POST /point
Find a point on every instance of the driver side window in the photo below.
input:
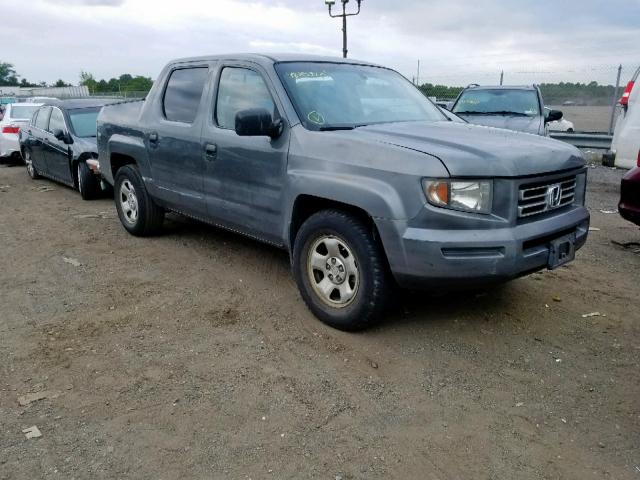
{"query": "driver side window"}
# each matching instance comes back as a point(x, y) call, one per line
point(240, 89)
point(56, 122)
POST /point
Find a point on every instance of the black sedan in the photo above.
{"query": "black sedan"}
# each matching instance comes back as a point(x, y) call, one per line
point(60, 143)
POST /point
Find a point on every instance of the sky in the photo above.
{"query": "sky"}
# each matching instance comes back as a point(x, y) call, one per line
point(456, 41)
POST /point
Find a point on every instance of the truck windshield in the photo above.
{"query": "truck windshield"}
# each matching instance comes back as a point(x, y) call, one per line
point(330, 96)
point(498, 101)
point(84, 121)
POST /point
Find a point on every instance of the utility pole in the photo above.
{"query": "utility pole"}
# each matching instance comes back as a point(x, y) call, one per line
point(418, 76)
point(501, 77)
point(344, 15)
point(615, 100)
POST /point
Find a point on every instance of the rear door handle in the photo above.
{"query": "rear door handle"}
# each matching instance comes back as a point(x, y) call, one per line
point(210, 151)
point(153, 137)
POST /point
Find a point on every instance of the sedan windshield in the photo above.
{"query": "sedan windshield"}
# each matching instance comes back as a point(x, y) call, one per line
point(329, 96)
point(498, 101)
point(83, 121)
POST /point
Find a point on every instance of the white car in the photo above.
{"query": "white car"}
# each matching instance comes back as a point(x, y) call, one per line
point(562, 125)
point(625, 146)
point(15, 116)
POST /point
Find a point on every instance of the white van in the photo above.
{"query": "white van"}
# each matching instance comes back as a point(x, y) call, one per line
point(625, 146)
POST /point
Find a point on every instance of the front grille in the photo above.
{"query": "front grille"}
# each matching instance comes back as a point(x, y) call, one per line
point(537, 198)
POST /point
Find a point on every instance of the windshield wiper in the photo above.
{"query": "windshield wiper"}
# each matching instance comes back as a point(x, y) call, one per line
point(330, 128)
point(501, 112)
point(508, 112)
point(341, 126)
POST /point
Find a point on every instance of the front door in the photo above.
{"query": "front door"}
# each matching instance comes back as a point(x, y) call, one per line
point(174, 141)
point(57, 152)
point(244, 177)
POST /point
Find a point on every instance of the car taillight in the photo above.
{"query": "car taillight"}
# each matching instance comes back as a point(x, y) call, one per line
point(11, 129)
point(638, 162)
point(624, 99)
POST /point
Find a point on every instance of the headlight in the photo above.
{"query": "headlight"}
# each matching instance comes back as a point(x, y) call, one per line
point(467, 196)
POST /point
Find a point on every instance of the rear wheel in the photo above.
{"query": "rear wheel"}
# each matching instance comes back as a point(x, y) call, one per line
point(138, 212)
point(340, 270)
point(88, 183)
point(31, 168)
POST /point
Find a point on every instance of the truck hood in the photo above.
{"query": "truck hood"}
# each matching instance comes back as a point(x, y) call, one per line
point(533, 125)
point(476, 151)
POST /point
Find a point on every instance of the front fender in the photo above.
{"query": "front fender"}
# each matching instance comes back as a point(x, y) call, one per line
point(375, 196)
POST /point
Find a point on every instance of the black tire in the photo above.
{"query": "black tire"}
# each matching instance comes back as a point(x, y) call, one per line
point(31, 168)
point(369, 303)
point(88, 183)
point(149, 217)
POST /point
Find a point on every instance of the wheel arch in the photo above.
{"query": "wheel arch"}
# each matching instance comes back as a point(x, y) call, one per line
point(84, 156)
point(123, 150)
point(306, 205)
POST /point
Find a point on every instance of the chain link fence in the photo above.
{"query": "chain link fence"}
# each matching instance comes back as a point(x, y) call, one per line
point(587, 96)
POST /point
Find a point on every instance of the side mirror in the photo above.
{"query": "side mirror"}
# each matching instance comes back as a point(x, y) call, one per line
point(257, 122)
point(62, 136)
point(553, 116)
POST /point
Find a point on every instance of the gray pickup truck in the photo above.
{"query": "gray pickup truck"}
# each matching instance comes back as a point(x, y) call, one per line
point(346, 165)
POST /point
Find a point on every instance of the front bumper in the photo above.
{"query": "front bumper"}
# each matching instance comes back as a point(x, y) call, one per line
point(426, 258)
point(629, 206)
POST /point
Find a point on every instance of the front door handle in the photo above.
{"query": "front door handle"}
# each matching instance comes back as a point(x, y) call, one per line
point(210, 151)
point(153, 137)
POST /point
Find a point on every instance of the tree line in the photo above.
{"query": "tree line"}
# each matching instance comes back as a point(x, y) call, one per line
point(124, 83)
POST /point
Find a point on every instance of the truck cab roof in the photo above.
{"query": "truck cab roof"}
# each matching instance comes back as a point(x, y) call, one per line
point(271, 58)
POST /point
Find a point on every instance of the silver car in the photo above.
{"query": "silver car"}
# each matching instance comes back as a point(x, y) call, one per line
point(15, 116)
point(514, 108)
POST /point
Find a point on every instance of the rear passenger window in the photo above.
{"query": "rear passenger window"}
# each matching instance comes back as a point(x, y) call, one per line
point(183, 93)
point(240, 89)
point(42, 121)
point(34, 118)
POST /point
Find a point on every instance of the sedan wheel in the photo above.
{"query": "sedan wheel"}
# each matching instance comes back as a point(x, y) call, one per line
point(31, 169)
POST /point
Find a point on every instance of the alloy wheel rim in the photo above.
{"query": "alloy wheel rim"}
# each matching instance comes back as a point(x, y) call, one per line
point(79, 179)
point(27, 160)
point(129, 202)
point(332, 269)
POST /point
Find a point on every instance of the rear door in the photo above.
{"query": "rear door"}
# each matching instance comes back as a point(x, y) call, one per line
point(173, 139)
point(37, 133)
point(57, 153)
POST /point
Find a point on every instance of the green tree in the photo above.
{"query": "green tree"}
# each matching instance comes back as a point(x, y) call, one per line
point(61, 83)
point(87, 80)
point(139, 84)
point(8, 76)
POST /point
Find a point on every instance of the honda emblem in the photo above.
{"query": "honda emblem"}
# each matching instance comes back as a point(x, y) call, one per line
point(554, 196)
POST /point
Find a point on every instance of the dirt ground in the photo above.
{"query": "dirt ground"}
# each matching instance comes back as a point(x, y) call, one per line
point(191, 355)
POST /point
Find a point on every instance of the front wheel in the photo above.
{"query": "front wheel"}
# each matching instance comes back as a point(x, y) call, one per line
point(341, 270)
point(138, 212)
point(88, 183)
point(31, 168)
